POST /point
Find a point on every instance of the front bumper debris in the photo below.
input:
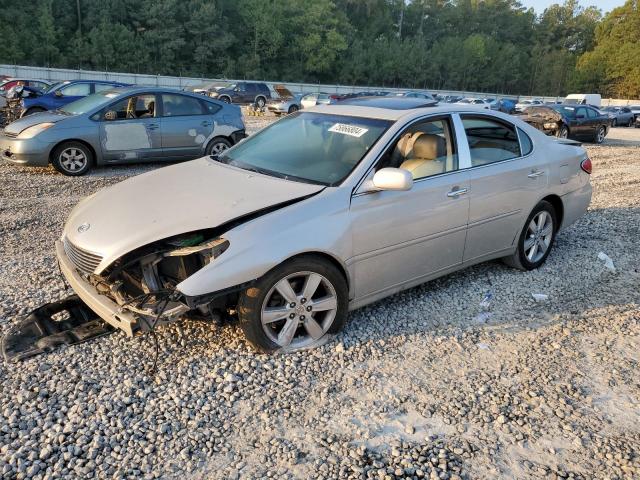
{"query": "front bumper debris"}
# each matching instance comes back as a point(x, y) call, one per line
point(106, 308)
point(66, 322)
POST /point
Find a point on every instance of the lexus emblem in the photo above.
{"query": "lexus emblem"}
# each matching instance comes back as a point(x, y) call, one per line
point(84, 227)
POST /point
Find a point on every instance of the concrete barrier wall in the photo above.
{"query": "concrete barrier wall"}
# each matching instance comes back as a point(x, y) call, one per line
point(59, 74)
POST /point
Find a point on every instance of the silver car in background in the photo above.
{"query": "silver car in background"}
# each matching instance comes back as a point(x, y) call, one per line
point(324, 211)
point(123, 125)
point(312, 99)
point(286, 102)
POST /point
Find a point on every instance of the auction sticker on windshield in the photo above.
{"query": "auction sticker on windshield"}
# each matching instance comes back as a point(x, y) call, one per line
point(351, 130)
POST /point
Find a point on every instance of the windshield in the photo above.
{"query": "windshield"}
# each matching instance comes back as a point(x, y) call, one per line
point(308, 147)
point(88, 103)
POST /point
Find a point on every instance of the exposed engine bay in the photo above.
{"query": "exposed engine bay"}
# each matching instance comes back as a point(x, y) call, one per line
point(144, 281)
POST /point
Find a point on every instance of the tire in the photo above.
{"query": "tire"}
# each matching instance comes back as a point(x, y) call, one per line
point(600, 134)
point(33, 110)
point(307, 329)
point(631, 122)
point(293, 109)
point(523, 259)
point(563, 132)
point(225, 99)
point(217, 145)
point(260, 102)
point(615, 122)
point(72, 159)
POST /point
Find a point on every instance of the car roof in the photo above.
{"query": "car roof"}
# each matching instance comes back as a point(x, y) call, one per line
point(390, 103)
point(371, 109)
point(136, 89)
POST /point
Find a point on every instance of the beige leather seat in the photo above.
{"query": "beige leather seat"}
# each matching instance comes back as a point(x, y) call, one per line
point(404, 147)
point(427, 157)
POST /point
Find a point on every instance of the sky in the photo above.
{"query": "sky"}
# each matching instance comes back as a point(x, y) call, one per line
point(604, 5)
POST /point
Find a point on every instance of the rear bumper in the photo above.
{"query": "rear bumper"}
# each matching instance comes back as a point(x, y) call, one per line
point(104, 307)
point(29, 151)
point(576, 204)
point(238, 135)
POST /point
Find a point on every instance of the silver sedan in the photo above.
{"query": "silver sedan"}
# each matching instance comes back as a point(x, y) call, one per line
point(324, 211)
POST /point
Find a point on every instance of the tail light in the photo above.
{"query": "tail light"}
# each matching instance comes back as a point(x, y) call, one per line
point(335, 97)
point(586, 165)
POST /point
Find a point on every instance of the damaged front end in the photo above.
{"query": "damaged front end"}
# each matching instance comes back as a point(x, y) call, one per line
point(544, 119)
point(144, 282)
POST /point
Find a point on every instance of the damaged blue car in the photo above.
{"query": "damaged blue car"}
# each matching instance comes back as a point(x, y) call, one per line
point(123, 125)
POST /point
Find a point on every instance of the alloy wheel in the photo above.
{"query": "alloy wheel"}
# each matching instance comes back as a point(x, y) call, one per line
point(73, 159)
point(299, 310)
point(601, 135)
point(218, 148)
point(539, 236)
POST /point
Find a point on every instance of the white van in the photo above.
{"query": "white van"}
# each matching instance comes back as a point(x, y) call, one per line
point(593, 99)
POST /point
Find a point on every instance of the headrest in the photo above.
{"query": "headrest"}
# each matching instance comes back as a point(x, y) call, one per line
point(429, 147)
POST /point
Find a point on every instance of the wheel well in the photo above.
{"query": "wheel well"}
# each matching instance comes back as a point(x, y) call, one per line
point(330, 259)
point(228, 139)
point(556, 201)
point(88, 145)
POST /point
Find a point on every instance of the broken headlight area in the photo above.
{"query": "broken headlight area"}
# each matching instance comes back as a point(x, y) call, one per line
point(144, 281)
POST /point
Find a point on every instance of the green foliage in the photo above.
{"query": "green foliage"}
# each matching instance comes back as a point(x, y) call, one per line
point(480, 45)
point(613, 66)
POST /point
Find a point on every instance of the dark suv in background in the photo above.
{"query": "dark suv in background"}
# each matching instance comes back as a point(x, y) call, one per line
point(244, 92)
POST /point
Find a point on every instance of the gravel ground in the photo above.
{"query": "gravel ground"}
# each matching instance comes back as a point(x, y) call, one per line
point(425, 384)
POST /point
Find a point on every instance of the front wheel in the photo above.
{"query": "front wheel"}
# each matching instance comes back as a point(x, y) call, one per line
point(72, 159)
point(217, 146)
point(33, 110)
point(631, 122)
point(563, 132)
point(293, 109)
point(600, 134)
point(261, 102)
point(294, 306)
point(536, 239)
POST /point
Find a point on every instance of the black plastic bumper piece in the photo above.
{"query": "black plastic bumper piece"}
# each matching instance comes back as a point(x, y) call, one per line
point(238, 135)
point(66, 322)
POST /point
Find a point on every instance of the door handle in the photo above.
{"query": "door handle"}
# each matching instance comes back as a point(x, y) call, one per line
point(457, 192)
point(206, 124)
point(536, 173)
point(152, 126)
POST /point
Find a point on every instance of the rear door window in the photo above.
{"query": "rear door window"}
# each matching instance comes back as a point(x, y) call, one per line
point(174, 105)
point(77, 90)
point(490, 140)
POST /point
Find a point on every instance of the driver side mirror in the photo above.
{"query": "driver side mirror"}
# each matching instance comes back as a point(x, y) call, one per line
point(395, 179)
point(110, 115)
point(58, 93)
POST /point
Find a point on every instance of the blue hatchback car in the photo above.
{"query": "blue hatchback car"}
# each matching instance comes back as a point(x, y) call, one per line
point(62, 93)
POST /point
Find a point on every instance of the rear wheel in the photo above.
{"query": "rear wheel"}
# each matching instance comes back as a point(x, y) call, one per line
point(631, 122)
point(261, 102)
point(72, 159)
point(536, 239)
point(600, 134)
point(294, 306)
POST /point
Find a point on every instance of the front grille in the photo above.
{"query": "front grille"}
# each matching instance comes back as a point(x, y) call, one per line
point(84, 261)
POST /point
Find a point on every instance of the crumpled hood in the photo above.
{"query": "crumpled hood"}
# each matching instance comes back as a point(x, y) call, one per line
point(19, 125)
point(170, 201)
